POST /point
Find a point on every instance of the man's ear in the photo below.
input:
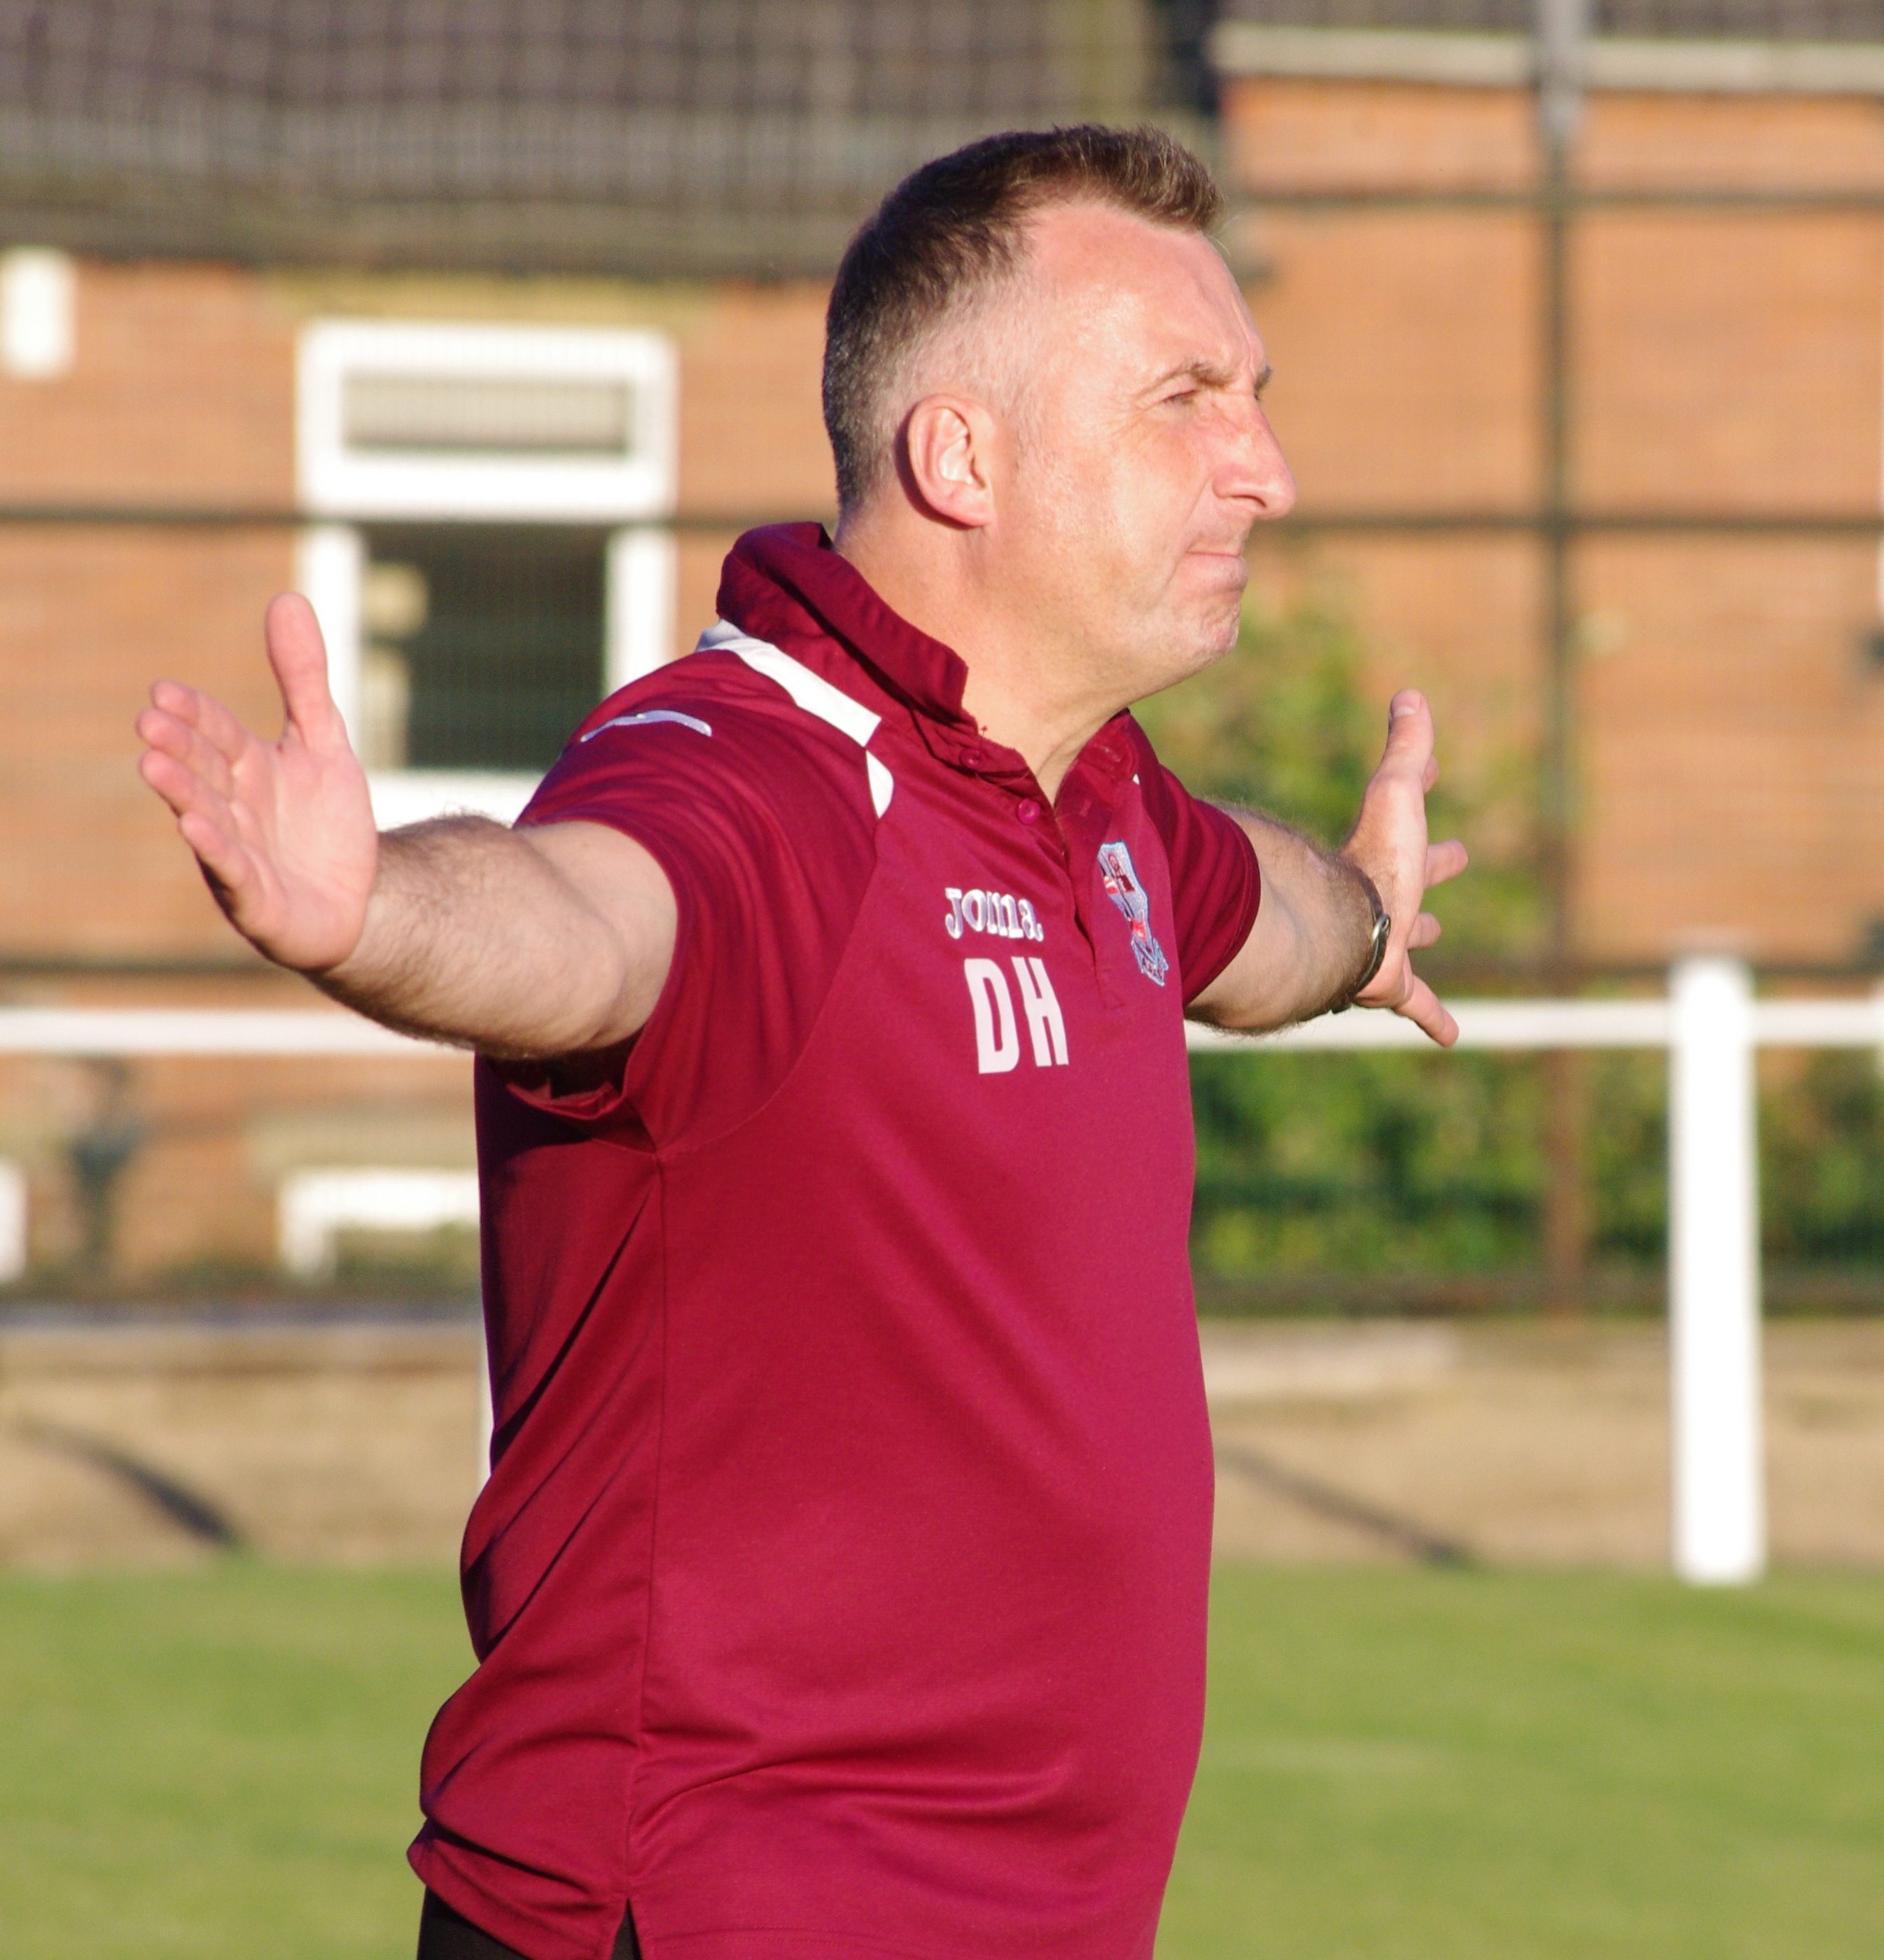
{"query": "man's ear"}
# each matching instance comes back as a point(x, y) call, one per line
point(947, 449)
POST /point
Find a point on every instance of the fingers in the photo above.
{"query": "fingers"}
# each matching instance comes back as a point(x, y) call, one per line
point(194, 775)
point(1445, 860)
point(1401, 991)
point(226, 865)
point(1423, 1008)
point(202, 712)
point(183, 787)
point(298, 655)
point(1409, 753)
point(166, 734)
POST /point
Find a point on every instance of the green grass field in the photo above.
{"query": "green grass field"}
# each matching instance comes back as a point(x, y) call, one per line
point(1400, 1766)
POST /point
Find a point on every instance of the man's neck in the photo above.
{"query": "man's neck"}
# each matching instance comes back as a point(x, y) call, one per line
point(1018, 693)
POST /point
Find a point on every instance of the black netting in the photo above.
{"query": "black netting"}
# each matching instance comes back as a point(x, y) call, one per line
point(642, 136)
point(768, 101)
point(893, 57)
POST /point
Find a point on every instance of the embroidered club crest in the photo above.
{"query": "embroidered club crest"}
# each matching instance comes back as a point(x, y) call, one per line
point(1122, 881)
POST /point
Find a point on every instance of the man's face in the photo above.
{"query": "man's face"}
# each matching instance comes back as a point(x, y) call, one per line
point(1140, 454)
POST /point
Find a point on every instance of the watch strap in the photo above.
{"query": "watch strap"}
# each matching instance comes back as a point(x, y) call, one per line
point(1378, 933)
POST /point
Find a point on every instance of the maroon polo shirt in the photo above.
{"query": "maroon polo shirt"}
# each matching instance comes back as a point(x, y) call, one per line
point(839, 1585)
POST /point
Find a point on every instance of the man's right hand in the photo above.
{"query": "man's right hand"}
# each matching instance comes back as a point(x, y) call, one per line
point(551, 941)
point(283, 830)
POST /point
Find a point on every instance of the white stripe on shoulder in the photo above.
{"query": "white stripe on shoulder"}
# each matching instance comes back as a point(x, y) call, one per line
point(641, 720)
point(814, 694)
point(882, 784)
point(811, 692)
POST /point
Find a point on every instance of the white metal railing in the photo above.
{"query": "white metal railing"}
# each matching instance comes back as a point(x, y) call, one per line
point(91, 1032)
point(1709, 1022)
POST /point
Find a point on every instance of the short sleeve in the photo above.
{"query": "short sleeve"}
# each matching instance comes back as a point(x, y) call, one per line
point(762, 822)
point(1216, 883)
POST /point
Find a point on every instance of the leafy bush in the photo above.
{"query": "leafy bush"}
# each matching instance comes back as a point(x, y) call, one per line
point(1821, 1163)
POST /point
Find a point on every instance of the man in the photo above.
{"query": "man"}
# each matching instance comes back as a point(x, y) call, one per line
point(839, 1586)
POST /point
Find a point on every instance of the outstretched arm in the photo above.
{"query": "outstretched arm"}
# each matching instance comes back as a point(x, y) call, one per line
point(521, 943)
point(1311, 939)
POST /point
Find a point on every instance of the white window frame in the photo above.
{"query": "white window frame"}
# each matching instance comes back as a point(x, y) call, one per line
point(331, 556)
point(336, 482)
point(38, 313)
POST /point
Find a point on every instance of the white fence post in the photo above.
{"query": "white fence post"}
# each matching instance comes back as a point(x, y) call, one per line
point(1720, 1522)
point(13, 1243)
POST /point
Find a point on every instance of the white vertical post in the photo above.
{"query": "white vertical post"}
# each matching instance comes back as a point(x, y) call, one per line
point(14, 1242)
point(1560, 29)
point(639, 630)
point(1720, 1523)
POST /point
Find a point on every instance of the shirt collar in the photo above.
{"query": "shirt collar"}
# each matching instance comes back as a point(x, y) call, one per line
point(786, 584)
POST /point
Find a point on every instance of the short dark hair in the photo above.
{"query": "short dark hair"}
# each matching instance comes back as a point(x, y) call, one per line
point(954, 228)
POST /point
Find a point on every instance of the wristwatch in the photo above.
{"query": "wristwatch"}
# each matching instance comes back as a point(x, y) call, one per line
point(1377, 936)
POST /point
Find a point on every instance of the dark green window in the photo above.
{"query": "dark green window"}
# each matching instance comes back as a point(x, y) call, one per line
point(482, 645)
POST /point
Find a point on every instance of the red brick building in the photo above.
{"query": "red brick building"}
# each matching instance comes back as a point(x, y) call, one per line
point(1726, 362)
point(491, 328)
point(492, 340)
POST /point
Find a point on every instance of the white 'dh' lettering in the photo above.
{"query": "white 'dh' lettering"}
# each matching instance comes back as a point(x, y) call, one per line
point(996, 1033)
point(1041, 1007)
point(996, 1051)
point(999, 913)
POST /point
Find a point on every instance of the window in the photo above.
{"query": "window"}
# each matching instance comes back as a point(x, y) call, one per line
point(408, 419)
point(482, 646)
point(489, 582)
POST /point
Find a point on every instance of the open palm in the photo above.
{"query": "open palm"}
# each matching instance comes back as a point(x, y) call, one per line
point(283, 830)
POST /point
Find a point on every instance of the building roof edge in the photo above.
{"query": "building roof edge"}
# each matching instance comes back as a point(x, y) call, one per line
point(1244, 48)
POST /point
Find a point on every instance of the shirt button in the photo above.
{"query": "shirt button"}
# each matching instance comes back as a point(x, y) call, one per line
point(973, 758)
point(1029, 811)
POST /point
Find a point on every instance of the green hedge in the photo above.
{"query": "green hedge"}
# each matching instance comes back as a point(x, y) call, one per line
point(1410, 1170)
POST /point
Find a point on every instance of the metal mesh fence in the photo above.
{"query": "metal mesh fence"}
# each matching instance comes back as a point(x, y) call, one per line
point(636, 136)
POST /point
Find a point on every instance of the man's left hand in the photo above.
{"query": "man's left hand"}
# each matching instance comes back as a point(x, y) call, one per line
point(1389, 843)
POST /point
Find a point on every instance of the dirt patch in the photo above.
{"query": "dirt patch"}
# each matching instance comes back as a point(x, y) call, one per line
point(1527, 1445)
point(349, 1444)
point(1523, 1444)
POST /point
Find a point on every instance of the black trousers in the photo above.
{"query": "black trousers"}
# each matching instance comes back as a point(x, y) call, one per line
point(446, 1935)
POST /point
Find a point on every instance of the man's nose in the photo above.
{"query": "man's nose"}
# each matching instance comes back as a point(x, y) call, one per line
point(1254, 470)
point(1259, 471)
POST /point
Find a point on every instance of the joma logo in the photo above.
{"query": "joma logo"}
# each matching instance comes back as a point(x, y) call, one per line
point(996, 912)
